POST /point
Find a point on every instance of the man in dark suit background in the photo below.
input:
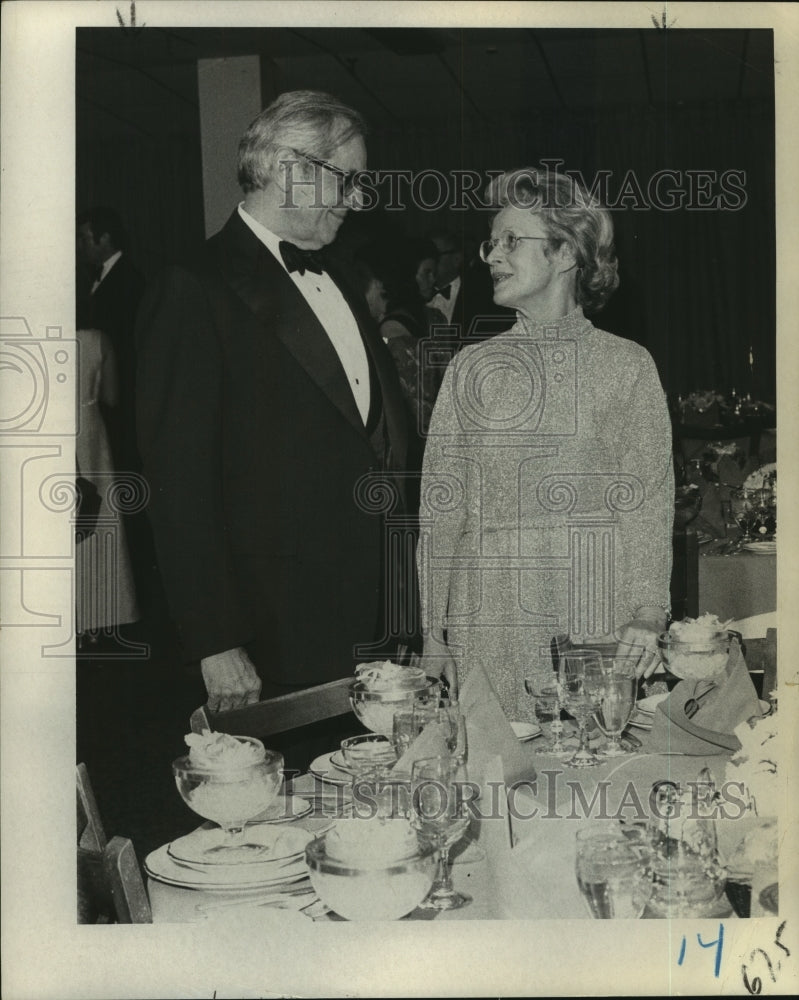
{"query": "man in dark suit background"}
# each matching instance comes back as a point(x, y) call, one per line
point(108, 302)
point(264, 398)
point(465, 292)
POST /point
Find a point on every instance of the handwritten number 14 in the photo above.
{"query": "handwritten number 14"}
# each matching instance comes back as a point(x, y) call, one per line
point(718, 944)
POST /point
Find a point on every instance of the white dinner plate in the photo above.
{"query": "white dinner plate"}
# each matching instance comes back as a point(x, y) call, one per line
point(760, 548)
point(159, 865)
point(324, 768)
point(278, 845)
point(525, 731)
point(285, 809)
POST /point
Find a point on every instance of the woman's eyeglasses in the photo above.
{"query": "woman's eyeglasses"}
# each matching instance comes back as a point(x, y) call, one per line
point(507, 243)
point(346, 179)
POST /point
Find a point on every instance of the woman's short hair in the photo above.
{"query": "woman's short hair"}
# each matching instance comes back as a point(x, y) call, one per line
point(571, 215)
point(309, 121)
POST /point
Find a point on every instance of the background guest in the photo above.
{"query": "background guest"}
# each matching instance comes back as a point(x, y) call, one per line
point(111, 301)
point(464, 293)
point(544, 438)
point(105, 595)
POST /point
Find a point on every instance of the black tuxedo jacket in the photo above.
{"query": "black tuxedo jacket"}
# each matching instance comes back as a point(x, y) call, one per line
point(253, 447)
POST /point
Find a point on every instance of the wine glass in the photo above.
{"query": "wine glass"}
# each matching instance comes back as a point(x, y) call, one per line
point(617, 701)
point(231, 795)
point(612, 872)
point(547, 701)
point(440, 813)
point(581, 685)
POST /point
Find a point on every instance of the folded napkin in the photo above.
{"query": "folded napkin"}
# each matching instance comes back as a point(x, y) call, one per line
point(699, 717)
point(488, 731)
point(431, 742)
point(534, 879)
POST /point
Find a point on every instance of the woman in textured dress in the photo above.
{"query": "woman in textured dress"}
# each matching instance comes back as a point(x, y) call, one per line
point(547, 488)
point(104, 589)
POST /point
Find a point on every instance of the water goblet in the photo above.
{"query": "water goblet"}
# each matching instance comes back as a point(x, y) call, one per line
point(440, 813)
point(688, 878)
point(612, 870)
point(617, 701)
point(581, 685)
point(547, 701)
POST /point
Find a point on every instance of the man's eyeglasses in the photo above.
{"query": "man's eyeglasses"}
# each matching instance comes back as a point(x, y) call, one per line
point(507, 243)
point(346, 179)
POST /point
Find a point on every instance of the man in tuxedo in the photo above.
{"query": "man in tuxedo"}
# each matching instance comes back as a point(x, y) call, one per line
point(110, 299)
point(267, 408)
point(465, 293)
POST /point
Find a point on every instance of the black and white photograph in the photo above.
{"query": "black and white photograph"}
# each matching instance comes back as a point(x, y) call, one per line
point(389, 499)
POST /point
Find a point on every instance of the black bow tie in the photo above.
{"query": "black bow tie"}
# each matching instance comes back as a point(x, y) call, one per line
point(296, 259)
point(444, 292)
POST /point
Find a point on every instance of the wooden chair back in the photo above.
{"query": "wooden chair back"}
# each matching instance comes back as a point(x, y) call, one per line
point(684, 585)
point(110, 884)
point(761, 662)
point(278, 715)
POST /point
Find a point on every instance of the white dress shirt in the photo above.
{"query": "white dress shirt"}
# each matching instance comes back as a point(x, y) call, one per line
point(107, 265)
point(447, 306)
point(331, 309)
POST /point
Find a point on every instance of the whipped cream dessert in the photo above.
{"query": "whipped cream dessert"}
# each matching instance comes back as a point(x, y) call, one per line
point(383, 675)
point(232, 787)
point(220, 750)
point(371, 843)
point(708, 634)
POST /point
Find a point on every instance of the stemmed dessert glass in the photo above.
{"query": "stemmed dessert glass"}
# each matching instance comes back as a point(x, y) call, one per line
point(440, 813)
point(617, 701)
point(581, 680)
point(231, 795)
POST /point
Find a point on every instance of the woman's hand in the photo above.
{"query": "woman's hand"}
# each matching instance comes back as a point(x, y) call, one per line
point(437, 659)
point(638, 640)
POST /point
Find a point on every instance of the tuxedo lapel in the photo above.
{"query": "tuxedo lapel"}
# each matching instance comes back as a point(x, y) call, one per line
point(263, 285)
point(386, 384)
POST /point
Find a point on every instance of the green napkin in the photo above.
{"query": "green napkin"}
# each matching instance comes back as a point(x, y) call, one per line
point(699, 717)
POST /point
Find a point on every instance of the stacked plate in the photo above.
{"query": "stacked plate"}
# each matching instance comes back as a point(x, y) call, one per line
point(525, 731)
point(333, 769)
point(274, 856)
point(644, 712)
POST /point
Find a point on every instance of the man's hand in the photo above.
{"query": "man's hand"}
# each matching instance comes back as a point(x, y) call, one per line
point(230, 680)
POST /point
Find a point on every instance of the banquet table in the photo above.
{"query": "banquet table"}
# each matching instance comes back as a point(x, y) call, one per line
point(737, 586)
point(535, 880)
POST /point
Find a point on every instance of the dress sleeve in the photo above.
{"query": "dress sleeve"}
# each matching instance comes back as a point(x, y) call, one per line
point(646, 532)
point(442, 511)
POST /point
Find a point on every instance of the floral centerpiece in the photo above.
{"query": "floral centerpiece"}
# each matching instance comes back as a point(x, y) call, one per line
point(752, 847)
point(755, 764)
point(754, 504)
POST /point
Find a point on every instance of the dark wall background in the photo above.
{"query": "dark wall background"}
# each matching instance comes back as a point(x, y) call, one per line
point(698, 287)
